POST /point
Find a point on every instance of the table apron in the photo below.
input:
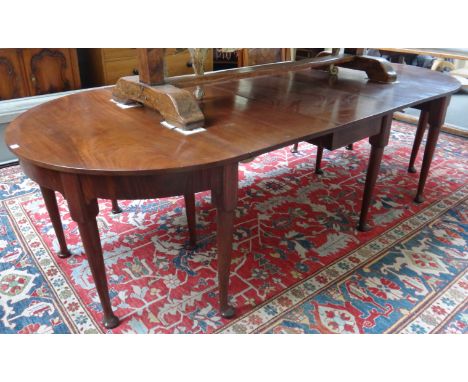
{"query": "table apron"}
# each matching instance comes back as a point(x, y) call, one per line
point(43, 176)
point(149, 186)
point(349, 134)
point(130, 186)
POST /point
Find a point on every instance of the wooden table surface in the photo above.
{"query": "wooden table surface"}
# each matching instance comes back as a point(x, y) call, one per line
point(243, 118)
point(86, 147)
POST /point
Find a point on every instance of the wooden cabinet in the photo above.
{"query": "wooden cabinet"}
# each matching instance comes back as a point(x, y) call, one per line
point(105, 65)
point(29, 72)
point(51, 70)
point(12, 79)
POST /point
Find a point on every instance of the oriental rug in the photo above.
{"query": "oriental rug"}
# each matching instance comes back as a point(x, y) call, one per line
point(299, 264)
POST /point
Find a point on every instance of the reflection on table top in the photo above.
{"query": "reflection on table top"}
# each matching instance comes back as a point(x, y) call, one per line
point(87, 133)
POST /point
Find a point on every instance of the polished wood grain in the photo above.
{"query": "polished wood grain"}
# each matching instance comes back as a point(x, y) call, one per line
point(86, 147)
point(239, 119)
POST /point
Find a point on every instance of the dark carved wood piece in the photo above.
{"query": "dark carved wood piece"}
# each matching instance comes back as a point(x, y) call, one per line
point(177, 106)
point(377, 68)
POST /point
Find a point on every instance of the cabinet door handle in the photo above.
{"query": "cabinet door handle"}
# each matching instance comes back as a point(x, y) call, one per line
point(189, 64)
point(135, 72)
point(33, 79)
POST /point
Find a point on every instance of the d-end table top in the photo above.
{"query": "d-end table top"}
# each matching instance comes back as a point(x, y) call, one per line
point(87, 133)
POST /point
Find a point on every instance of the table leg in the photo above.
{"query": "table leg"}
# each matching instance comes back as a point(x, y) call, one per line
point(318, 161)
point(226, 201)
point(115, 207)
point(52, 208)
point(437, 111)
point(191, 217)
point(421, 129)
point(83, 211)
point(92, 244)
point(295, 148)
point(349, 147)
point(378, 143)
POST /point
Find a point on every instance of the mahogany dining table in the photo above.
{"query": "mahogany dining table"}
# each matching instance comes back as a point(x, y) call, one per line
point(86, 147)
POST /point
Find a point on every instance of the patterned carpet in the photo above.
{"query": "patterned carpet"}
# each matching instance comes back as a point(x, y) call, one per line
point(299, 265)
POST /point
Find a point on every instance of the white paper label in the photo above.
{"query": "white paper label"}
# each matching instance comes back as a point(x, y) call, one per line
point(182, 131)
point(126, 106)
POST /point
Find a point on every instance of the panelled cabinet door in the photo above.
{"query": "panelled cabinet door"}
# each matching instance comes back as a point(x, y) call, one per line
point(50, 70)
point(12, 81)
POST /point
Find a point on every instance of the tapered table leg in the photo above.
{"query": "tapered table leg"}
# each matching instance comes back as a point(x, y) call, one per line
point(225, 221)
point(378, 143)
point(437, 111)
point(226, 201)
point(115, 207)
point(84, 211)
point(191, 217)
point(349, 147)
point(54, 214)
point(420, 130)
point(295, 148)
point(92, 245)
point(318, 161)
